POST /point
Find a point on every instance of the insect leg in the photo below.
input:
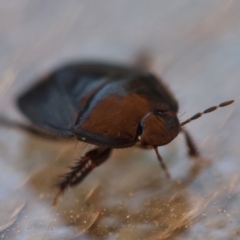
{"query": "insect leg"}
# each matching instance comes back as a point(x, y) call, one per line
point(82, 168)
point(164, 167)
point(30, 129)
point(143, 61)
point(192, 150)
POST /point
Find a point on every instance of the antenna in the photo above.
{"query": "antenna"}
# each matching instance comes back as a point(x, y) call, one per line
point(211, 109)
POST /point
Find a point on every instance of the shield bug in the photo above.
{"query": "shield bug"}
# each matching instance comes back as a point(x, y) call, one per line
point(106, 105)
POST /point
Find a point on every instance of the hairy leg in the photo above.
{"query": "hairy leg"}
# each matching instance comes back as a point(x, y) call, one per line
point(82, 168)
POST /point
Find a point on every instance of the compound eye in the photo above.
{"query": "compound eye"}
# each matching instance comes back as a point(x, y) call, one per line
point(160, 111)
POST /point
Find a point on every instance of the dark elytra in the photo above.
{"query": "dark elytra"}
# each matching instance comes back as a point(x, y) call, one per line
point(107, 105)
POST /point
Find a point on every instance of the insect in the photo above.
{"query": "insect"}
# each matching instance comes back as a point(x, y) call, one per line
point(106, 105)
